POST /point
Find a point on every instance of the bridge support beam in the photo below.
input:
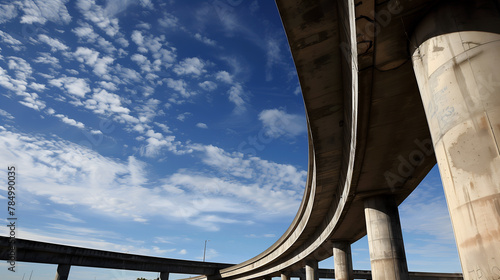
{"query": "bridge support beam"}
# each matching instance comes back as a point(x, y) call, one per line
point(456, 65)
point(285, 276)
point(164, 275)
point(62, 272)
point(342, 259)
point(385, 239)
point(312, 270)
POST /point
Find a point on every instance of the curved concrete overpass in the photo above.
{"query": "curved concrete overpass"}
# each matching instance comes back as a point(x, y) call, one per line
point(369, 139)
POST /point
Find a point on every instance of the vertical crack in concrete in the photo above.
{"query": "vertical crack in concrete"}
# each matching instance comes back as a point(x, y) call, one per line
point(493, 133)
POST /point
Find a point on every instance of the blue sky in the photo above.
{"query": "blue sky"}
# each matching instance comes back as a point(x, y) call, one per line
point(149, 127)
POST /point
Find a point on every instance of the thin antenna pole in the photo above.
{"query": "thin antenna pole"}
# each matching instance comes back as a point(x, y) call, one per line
point(205, 250)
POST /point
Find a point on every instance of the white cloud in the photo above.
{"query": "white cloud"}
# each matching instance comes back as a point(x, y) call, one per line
point(183, 252)
point(168, 20)
point(6, 114)
point(75, 86)
point(180, 87)
point(205, 40)
point(137, 170)
point(102, 64)
point(105, 103)
point(162, 55)
point(208, 85)
point(37, 86)
point(106, 45)
point(297, 90)
point(137, 38)
point(156, 144)
point(46, 58)
point(41, 11)
point(183, 116)
point(85, 32)
point(145, 64)
point(190, 66)
point(201, 125)
point(7, 12)
point(273, 57)
point(143, 25)
point(65, 217)
point(86, 55)
point(69, 121)
point(91, 58)
point(11, 41)
point(236, 95)
point(86, 237)
point(96, 14)
point(67, 174)
point(163, 127)
point(55, 45)
point(22, 69)
point(149, 110)
point(277, 123)
point(108, 85)
point(224, 76)
point(123, 42)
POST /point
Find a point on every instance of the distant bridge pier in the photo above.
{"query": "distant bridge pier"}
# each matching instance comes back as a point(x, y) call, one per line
point(62, 272)
point(456, 59)
point(164, 275)
point(312, 270)
point(342, 260)
point(285, 276)
point(385, 239)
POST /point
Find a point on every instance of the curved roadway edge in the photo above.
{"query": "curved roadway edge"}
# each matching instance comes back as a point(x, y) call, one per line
point(363, 121)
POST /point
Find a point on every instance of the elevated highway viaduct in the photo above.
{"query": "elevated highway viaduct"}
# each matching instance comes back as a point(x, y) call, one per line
point(390, 87)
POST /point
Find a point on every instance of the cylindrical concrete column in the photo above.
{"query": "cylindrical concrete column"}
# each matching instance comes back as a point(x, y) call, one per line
point(385, 239)
point(164, 275)
point(312, 270)
point(457, 66)
point(342, 260)
point(62, 272)
point(285, 276)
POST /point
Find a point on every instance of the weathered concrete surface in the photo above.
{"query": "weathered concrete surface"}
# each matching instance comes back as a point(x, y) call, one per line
point(342, 260)
point(385, 239)
point(457, 64)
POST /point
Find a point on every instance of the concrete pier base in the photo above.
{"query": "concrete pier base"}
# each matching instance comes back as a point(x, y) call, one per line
point(164, 275)
point(342, 261)
point(62, 272)
point(385, 239)
point(457, 70)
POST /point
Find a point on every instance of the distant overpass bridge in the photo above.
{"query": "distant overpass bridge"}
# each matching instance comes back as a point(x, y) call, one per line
point(389, 87)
